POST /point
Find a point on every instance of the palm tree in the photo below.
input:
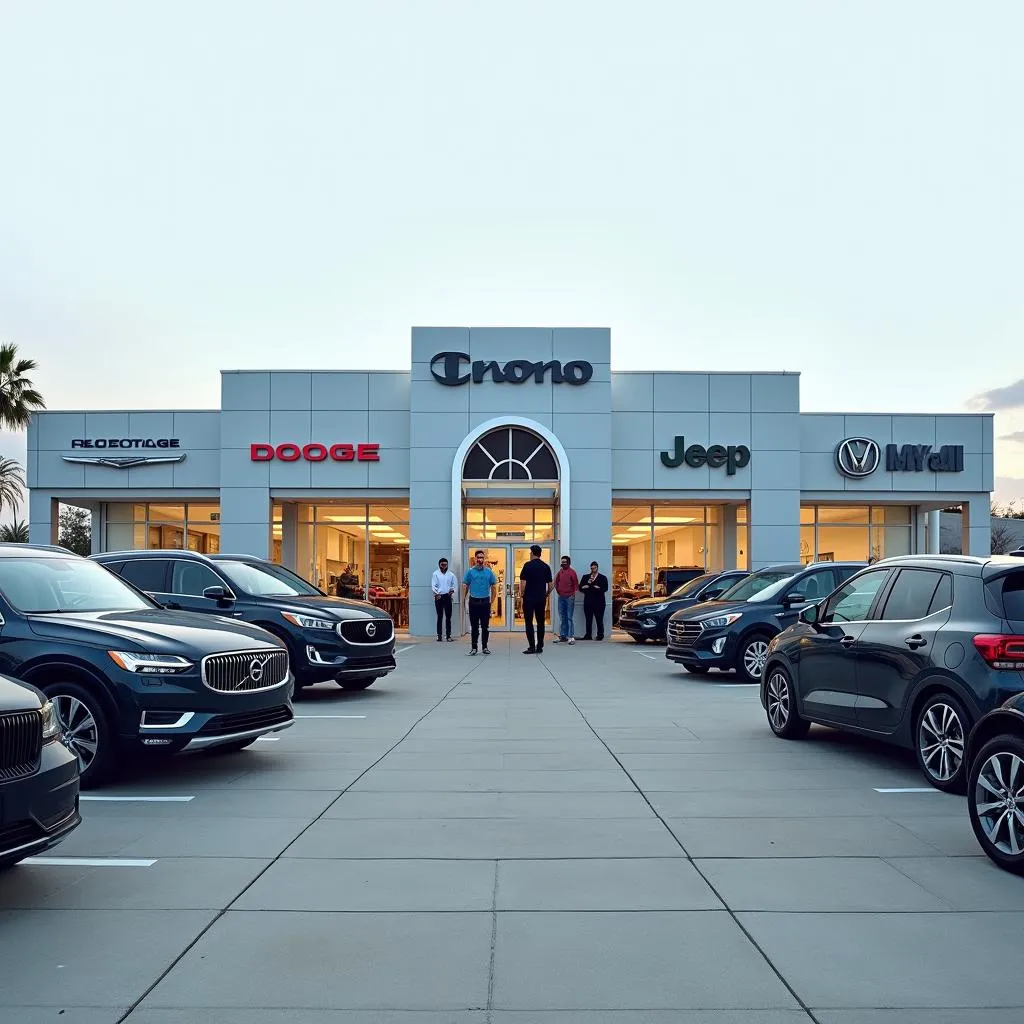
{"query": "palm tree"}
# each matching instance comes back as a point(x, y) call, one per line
point(18, 398)
point(14, 533)
point(12, 484)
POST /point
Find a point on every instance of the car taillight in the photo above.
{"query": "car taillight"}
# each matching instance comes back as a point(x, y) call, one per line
point(1001, 650)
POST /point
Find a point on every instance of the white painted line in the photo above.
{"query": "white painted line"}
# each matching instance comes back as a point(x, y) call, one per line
point(409, 648)
point(642, 655)
point(138, 799)
point(735, 686)
point(91, 862)
point(330, 716)
point(909, 789)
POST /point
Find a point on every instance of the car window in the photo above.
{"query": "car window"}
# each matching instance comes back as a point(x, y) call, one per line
point(757, 582)
point(911, 594)
point(50, 585)
point(853, 601)
point(266, 579)
point(190, 579)
point(814, 586)
point(146, 573)
point(943, 596)
point(691, 587)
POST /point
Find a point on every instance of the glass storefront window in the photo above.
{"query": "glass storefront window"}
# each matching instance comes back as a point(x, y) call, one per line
point(195, 527)
point(855, 532)
point(508, 523)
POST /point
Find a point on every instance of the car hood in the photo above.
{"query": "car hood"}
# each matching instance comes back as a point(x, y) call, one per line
point(16, 696)
point(340, 608)
point(709, 608)
point(154, 629)
point(674, 603)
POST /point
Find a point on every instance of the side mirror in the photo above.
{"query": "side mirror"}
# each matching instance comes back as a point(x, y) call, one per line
point(218, 594)
point(809, 615)
point(793, 599)
point(710, 595)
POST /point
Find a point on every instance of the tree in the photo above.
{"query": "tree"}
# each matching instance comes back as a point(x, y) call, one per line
point(18, 397)
point(75, 532)
point(12, 484)
point(14, 533)
point(1003, 538)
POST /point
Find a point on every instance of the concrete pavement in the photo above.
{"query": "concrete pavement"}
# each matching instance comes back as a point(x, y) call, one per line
point(589, 836)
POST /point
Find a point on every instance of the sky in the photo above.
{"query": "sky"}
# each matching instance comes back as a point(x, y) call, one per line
point(811, 185)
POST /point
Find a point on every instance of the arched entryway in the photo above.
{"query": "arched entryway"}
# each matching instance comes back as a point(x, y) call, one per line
point(510, 489)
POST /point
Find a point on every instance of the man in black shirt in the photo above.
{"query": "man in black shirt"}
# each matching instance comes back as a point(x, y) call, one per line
point(536, 578)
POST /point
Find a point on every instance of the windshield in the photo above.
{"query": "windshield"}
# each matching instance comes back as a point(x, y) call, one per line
point(773, 590)
point(47, 585)
point(759, 581)
point(264, 579)
point(691, 587)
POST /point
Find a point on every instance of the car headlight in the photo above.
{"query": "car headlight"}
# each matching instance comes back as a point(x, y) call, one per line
point(308, 621)
point(51, 727)
point(655, 608)
point(150, 664)
point(721, 621)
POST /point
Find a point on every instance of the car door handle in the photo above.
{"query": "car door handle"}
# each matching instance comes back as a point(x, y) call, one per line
point(848, 641)
point(915, 641)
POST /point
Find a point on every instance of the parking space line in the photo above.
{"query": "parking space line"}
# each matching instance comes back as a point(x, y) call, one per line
point(736, 686)
point(330, 716)
point(642, 655)
point(909, 789)
point(408, 648)
point(137, 799)
point(91, 862)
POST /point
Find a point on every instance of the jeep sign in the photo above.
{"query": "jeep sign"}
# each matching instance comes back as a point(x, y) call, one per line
point(733, 456)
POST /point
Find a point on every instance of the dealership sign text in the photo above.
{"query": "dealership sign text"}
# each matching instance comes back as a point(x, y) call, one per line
point(446, 368)
point(733, 456)
point(315, 452)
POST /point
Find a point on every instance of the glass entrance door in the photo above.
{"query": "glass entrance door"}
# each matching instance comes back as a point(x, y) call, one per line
point(506, 561)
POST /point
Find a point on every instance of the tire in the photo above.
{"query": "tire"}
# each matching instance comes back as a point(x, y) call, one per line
point(995, 800)
point(233, 748)
point(358, 683)
point(751, 658)
point(780, 706)
point(697, 670)
point(85, 730)
point(639, 639)
point(940, 733)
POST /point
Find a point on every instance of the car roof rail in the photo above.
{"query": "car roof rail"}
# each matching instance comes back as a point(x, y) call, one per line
point(36, 547)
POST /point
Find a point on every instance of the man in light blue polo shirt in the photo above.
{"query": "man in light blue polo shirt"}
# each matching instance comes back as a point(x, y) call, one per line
point(479, 585)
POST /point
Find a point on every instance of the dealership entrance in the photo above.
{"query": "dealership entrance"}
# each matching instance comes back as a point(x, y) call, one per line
point(507, 561)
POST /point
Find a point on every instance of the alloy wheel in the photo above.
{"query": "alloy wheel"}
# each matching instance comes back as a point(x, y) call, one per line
point(78, 729)
point(778, 701)
point(940, 739)
point(998, 801)
point(754, 656)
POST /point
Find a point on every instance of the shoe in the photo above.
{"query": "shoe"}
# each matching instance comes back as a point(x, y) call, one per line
point(588, 638)
point(486, 651)
point(600, 638)
point(558, 640)
point(540, 650)
point(472, 652)
point(571, 641)
point(450, 640)
point(530, 650)
point(438, 639)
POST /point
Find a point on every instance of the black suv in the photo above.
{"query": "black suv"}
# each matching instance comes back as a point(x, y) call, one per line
point(126, 676)
point(913, 650)
point(734, 632)
point(38, 775)
point(328, 638)
point(647, 617)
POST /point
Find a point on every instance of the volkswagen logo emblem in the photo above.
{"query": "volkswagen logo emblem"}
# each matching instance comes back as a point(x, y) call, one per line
point(857, 456)
point(371, 629)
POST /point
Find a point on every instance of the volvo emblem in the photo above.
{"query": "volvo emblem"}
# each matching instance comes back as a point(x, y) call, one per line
point(857, 457)
point(371, 629)
point(256, 667)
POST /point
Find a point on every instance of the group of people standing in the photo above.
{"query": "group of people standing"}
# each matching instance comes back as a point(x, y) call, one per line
point(480, 584)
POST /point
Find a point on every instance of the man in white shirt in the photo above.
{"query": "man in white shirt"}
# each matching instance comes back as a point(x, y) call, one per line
point(444, 584)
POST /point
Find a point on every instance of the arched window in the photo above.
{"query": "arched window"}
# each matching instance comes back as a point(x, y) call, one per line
point(510, 453)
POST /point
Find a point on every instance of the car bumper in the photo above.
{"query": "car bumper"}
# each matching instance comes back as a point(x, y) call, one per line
point(703, 653)
point(329, 664)
point(39, 811)
point(647, 627)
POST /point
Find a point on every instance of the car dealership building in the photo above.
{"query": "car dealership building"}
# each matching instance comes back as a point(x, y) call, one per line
point(501, 437)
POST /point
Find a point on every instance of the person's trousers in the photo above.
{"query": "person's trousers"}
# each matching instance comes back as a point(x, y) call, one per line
point(444, 615)
point(535, 611)
point(479, 619)
point(594, 611)
point(566, 605)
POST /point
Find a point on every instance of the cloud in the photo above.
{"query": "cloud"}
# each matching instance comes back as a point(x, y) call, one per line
point(1009, 397)
point(1017, 436)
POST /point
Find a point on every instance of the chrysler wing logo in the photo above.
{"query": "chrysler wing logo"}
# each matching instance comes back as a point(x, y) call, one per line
point(256, 669)
point(857, 456)
point(123, 461)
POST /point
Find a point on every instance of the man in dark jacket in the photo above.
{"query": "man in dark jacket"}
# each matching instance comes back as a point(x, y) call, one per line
point(593, 587)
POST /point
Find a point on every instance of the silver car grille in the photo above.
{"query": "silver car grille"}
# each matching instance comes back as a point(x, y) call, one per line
point(684, 634)
point(245, 671)
point(21, 742)
point(366, 631)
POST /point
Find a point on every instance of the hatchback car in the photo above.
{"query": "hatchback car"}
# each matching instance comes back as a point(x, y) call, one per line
point(647, 617)
point(734, 632)
point(913, 650)
point(38, 775)
point(126, 676)
point(328, 638)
